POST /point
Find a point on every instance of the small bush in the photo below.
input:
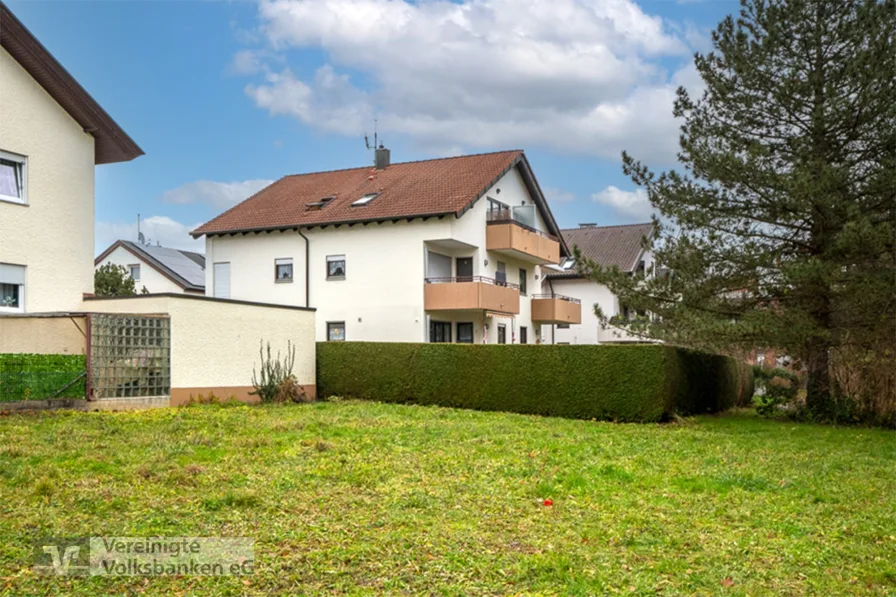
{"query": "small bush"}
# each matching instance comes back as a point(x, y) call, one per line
point(290, 390)
point(780, 388)
point(273, 372)
point(625, 383)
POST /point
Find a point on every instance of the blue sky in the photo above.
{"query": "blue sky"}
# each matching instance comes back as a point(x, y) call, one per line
point(225, 96)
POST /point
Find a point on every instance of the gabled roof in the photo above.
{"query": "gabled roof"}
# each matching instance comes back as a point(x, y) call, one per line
point(609, 246)
point(184, 268)
point(406, 190)
point(112, 143)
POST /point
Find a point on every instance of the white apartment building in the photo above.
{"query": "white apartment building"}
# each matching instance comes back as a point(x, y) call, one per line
point(610, 246)
point(444, 250)
point(52, 135)
point(160, 270)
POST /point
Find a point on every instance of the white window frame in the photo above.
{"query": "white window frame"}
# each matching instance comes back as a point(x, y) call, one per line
point(292, 272)
point(331, 258)
point(131, 267)
point(21, 307)
point(23, 164)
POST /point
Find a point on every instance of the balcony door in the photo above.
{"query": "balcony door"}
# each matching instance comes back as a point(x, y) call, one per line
point(440, 331)
point(464, 269)
point(502, 333)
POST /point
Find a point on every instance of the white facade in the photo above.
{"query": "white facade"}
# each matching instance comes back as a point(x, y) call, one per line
point(46, 239)
point(381, 296)
point(147, 276)
point(592, 294)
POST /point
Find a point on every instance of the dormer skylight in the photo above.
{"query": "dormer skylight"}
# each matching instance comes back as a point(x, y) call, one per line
point(365, 199)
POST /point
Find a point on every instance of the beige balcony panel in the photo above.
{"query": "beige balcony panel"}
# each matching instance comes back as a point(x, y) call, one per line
point(519, 242)
point(460, 296)
point(556, 310)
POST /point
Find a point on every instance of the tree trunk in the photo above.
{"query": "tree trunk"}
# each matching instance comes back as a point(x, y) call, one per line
point(819, 394)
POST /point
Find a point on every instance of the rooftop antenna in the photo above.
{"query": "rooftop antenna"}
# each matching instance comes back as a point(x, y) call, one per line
point(140, 238)
point(375, 139)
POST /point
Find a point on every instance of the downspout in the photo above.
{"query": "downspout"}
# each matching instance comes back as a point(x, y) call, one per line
point(553, 325)
point(307, 271)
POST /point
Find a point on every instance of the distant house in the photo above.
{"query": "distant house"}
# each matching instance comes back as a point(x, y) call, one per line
point(52, 135)
point(609, 246)
point(158, 269)
point(443, 250)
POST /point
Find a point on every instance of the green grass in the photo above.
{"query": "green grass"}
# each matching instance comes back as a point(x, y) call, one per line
point(368, 498)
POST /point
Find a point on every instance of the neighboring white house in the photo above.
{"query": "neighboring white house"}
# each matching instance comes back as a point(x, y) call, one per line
point(609, 246)
point(157, 269)
point(436, 250)
point(52, 134)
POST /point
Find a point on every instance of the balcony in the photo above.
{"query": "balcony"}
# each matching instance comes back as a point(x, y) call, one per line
point(471, 293)
point(506, 235)
point(556, 308)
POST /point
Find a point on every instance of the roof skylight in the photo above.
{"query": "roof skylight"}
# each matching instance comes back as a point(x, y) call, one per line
point(365, 199)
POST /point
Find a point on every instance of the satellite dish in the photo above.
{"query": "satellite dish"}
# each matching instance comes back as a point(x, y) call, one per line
point(141, 239)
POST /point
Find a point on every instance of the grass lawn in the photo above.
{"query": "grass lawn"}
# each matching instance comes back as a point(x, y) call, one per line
point(365, 498)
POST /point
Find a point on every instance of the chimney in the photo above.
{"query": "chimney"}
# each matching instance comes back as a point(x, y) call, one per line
point(382, 158)
point(588, 225)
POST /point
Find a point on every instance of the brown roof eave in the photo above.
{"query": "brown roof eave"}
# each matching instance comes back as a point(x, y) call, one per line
point(307, 226)
point(112, 144)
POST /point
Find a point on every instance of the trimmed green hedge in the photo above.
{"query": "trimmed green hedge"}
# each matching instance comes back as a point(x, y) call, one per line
point(624, 383)
point(39, 376)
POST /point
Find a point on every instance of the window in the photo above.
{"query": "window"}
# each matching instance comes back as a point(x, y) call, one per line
point(335, 267)
point(501, 273)
point(12, 287)
point(318, 205)
point(502, 333)
point(134, 270)
point(439, 331)
point(335, 331)
point(524, 335)
point(523, 274)
point(222, 280)
point(283, 270)
point(365, 200)
point(12, 177)
point(465, 332)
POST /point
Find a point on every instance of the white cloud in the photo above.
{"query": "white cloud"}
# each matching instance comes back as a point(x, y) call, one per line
point(156, 229)
point(554, 195)
point(629, 205)
point(217, 194)
point(576, 75)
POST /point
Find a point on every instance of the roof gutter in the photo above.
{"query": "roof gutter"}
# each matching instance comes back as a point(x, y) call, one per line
point(307, 269)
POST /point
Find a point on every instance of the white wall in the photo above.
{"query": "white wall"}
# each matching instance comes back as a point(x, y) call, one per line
point(150, 278)
point(381, 297)
point(590, 294)
point(53, 235)
point(214, 344)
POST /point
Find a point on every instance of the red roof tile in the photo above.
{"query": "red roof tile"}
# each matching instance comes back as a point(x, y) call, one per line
point(407, 189)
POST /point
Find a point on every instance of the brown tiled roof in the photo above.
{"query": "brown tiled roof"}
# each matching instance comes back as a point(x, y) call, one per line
point(609, 246)
point(112, 143)
point(406, 190)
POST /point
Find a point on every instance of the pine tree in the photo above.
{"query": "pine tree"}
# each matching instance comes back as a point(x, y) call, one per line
point(779, 231)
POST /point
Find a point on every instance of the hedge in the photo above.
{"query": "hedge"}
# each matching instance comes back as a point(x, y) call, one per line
point(623, 383)
point(40, 376)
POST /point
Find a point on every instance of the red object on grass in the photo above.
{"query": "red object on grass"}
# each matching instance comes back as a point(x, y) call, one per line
point(548, 502)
